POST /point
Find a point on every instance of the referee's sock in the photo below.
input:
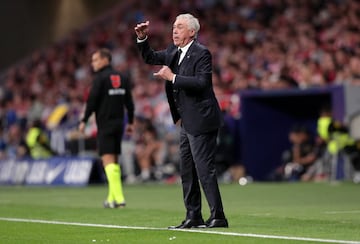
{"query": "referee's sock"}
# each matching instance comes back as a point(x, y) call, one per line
point(108, 171)
point(113, 174)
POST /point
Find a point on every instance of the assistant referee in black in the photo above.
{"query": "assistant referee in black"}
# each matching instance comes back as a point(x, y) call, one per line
point(109, 95)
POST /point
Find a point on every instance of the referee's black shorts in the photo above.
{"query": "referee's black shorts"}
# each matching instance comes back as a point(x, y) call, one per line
point(109, 143)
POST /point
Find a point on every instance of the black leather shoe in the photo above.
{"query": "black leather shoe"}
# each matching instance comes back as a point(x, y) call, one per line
point(217, 223)
point(190, 223)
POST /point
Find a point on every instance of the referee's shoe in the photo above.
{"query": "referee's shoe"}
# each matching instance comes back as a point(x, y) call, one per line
point(114, 204)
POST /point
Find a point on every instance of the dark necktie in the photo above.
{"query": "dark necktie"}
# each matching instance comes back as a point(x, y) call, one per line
point(178, 56)
point(176, 61)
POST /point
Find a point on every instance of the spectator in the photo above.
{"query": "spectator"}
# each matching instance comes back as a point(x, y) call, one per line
point(149, 151)
point(38, 142)
point(2, 143)
point(15, 146)
point(298, 160)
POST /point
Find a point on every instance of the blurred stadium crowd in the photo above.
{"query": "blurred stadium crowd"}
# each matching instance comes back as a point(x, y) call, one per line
point(256, 44)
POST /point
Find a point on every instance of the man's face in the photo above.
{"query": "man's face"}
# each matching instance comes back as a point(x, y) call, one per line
point(98, 62)
point(181, 33)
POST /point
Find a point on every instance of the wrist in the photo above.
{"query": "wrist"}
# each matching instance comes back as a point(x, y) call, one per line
point(141, 38)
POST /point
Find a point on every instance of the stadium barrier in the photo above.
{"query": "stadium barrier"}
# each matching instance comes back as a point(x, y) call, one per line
point(69, 171)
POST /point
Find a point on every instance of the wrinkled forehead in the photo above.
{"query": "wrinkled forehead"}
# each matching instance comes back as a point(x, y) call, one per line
point(95, 56)
point(181, 21)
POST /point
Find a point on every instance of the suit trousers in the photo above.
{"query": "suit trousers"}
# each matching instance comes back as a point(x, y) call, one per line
point(197, 155)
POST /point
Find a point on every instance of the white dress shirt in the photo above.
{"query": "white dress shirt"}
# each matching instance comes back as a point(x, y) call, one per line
point(182, 55)
point(184, 51)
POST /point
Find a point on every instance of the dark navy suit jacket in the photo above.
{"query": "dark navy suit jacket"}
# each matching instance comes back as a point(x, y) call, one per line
point(191, 97)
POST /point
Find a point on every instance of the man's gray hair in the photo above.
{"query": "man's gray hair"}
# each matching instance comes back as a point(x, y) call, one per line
point(193, 23)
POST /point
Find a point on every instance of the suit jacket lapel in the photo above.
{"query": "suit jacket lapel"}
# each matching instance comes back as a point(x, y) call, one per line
point(188, 55)
point(172, 58)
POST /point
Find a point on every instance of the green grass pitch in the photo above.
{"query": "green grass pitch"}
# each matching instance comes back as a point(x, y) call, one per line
point(269, 212)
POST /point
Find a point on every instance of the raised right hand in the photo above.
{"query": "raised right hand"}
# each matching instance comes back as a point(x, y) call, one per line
point(142, 30)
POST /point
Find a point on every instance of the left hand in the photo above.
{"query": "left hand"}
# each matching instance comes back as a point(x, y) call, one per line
point(165, 73)
point(81, 127)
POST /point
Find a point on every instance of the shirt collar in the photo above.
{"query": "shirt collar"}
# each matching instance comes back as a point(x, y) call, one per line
point(186, 48)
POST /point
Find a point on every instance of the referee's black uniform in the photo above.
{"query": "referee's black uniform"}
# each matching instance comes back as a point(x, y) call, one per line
point(109, 95)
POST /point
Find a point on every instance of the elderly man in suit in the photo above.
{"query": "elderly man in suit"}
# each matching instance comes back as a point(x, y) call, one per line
point(187, 69)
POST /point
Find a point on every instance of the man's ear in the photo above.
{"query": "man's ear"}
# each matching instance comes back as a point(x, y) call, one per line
point(192, 34)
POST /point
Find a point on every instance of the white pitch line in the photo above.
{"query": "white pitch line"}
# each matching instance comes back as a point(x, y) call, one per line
point(39, 221)
point(183, 230)
point(293, 238)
